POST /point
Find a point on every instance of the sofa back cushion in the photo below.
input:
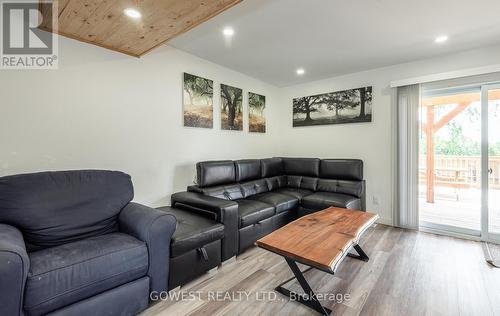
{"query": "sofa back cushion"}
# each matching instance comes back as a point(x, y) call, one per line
point(354, 188)
point(272, 167)
point(210, 173)
point(275, 183)
point(54, 208)
point(254, 187)
point(308, 167)
point(248, 169)
point(299, 182)
point(226, 192)
point(341, 169)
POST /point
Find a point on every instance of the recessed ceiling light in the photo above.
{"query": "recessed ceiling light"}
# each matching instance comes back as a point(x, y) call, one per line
point(228, 31)
point(132, 13)
point(300, 71)
point(441, 39)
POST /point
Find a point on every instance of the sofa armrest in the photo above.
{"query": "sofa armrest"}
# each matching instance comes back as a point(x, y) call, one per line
point(14, 267)
point(363, 196)
point(224, 211)
point(155, 228)
point(219, 207)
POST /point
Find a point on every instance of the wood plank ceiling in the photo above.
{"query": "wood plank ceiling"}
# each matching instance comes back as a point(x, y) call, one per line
point(103, 23)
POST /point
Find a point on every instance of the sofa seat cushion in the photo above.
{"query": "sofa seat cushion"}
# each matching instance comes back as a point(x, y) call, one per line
point(281, 202)
point(322, 200)
point(193, 231)
point(68, 273)
point(298, 193)
point(252, 212)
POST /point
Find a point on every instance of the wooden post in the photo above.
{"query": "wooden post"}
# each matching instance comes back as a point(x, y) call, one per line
point(431, 127)
point(430, 153)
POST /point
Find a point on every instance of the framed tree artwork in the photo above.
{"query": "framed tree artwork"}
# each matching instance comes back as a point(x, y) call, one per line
point(198, 101)
point(256, 115)
point(231, 108)
point(341, 107)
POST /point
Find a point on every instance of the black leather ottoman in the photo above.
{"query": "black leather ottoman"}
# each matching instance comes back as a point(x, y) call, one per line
point(195, 247)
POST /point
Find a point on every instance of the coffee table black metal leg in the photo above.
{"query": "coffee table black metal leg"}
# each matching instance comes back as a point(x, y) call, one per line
point(361, 254)
point(309, 299)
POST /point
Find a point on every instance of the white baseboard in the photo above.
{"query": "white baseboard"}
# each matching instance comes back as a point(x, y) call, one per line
point(385, 221)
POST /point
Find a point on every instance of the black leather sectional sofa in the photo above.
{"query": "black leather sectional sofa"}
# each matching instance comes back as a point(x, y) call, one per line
point(72, 242)
point(253, 197)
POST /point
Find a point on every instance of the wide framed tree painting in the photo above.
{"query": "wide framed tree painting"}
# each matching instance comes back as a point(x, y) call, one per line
point(256, 113)
point(198, 102)
point(341, 107)
point(231, 108)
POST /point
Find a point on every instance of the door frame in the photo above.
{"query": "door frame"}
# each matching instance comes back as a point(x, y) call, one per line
point(455, 231)
point(485, 233)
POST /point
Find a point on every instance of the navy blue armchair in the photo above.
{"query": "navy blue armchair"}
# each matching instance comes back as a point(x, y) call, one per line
point(73, 243)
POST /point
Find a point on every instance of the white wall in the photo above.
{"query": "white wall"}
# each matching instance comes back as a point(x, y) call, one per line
point(372, 142)
point(102, 109)
point(106, 110)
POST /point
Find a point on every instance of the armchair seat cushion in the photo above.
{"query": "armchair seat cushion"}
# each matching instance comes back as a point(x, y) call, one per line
point(68, 273)
point(193, 231)
point(298, 193)
point(252, 212)
point(322, 200)
point(282, 202)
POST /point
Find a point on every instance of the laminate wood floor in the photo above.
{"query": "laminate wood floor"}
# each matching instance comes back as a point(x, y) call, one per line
point(409, 273)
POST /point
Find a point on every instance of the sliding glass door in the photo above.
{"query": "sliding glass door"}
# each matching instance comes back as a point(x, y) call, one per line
point(491, 162)
point(450, 160)
point(459, 164)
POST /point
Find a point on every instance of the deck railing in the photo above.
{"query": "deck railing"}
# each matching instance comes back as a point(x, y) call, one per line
point(461, 171)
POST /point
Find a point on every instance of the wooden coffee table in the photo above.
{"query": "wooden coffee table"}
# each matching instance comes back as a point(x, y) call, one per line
point(320, 240)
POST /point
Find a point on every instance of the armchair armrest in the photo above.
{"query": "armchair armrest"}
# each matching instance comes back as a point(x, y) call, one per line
point(14, 267)
point(225, 212)
point(155, 228)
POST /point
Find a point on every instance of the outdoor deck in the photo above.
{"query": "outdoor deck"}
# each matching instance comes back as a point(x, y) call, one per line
point(464, 212)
